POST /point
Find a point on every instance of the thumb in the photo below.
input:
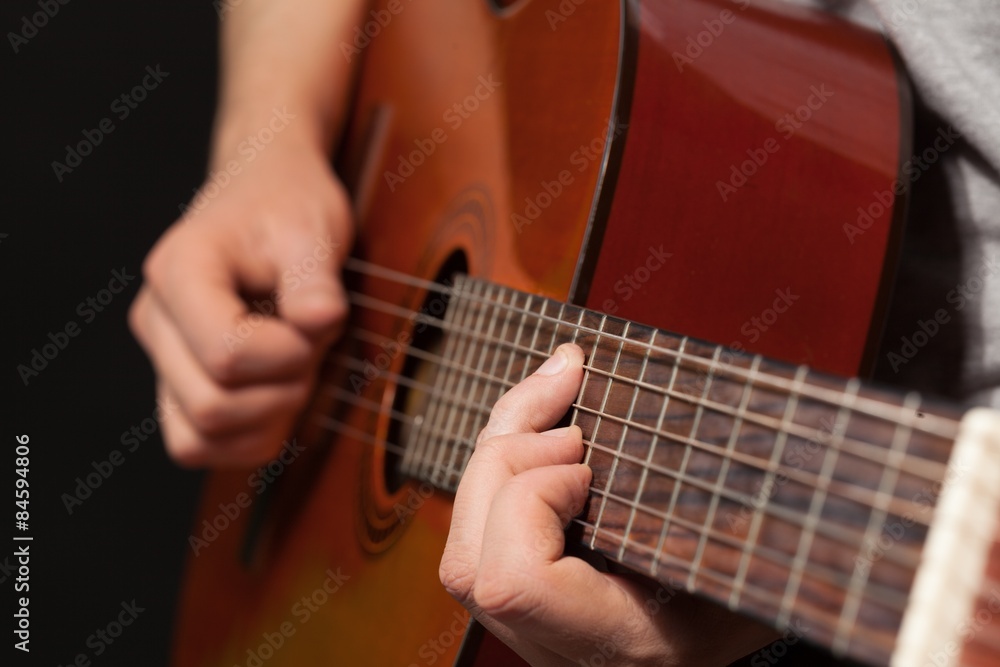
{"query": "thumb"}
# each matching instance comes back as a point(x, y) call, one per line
point(311, 295)
point(538, 402)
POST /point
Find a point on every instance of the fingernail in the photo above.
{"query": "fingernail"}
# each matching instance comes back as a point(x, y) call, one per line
point(558, 432)
point(554, 365)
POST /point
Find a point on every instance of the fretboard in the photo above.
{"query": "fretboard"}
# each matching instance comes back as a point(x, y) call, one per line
point(783, 493)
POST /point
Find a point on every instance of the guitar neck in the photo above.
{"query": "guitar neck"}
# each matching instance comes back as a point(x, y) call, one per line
point(788, 495)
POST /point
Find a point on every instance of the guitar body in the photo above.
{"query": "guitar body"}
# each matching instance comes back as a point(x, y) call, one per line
point(585, 152)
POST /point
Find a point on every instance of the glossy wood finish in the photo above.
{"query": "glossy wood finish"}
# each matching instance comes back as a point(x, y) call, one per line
point(392, 612)
point(530, 133)
point(706, 104)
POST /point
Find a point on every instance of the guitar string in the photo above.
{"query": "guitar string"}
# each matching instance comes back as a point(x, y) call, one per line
point(932, 424)
point(822, 574)
point(844, 490)
point(679, 360)
point(926, 469)
point(845, 537)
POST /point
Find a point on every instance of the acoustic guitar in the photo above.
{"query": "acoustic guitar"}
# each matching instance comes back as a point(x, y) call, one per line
point(538, 171)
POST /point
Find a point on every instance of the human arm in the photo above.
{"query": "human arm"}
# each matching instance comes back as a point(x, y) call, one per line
point(267, 232)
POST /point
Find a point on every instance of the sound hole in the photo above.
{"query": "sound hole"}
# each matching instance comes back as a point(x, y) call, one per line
point(414, 401)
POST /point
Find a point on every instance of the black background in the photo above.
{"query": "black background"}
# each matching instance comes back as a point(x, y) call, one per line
point(128, 540)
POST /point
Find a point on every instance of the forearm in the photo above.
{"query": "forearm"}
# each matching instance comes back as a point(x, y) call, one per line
point(283, 55)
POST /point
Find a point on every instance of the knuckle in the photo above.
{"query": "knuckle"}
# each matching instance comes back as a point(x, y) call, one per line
point(504, 593)
point(221, 364)
point(209, 415)
point(457, 576)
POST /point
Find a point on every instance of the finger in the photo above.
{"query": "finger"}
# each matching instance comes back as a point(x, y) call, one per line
point(210, 409)
point(494, 462)
point(312, 297)
point(540, 400)
point(202, 297)
point(191, 449)
point(526, 584)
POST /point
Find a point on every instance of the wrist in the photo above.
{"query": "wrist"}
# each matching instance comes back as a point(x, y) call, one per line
point(244, 134)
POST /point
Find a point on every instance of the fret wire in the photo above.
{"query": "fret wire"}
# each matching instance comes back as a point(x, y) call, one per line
point(621, 444)
point(655, 567)
point(833, 577)
point(777, 557)
point(555, 329)
point(533, 346)
point(459, 308)
point(724, 468)
point(379, 409)
point(893, 598)
point(856, 494)
point(655, 439)
point(586, 380)
point(474, 379)
point(932, 424)
point(926, 469)
point(574, 411)
point(469, 316)
point(486, 406)
point(412, 463)
point(879, 513)
point(699, 412)
point(718, 577)
point(776, 454)
point(830, 457)
point(791, 404)
point(896, 600)
point(832, 531)
point(428, 429)
point(615, 457)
